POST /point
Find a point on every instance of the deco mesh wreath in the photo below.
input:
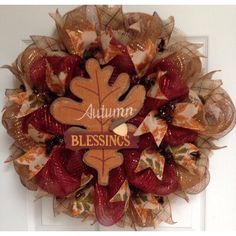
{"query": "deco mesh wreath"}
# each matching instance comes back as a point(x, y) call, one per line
point(114, 115)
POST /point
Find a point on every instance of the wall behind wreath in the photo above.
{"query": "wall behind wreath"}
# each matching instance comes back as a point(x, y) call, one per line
point(215, 22)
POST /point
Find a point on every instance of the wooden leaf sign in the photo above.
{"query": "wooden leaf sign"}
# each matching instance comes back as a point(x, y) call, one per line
point(99, 109)
point(103, 161)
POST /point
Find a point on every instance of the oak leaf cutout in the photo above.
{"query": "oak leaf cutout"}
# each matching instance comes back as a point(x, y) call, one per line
point(97, 92)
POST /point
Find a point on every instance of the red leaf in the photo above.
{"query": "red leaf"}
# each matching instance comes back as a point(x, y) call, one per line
point(177, 135)
point(146, 180)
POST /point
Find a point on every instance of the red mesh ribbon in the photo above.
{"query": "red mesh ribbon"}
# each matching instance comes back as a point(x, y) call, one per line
point(54, 178)
point(109, 213)
point(170, 83)
point(122, 63)
point(177, 135)
point(43, 121)
point(146, 180)
point(172, 86)
point(68, 64)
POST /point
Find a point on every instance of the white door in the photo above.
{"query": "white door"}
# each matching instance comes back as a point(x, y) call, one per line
point(214, 209)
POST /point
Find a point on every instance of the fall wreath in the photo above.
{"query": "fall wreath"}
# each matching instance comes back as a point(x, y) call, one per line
point(114, 115)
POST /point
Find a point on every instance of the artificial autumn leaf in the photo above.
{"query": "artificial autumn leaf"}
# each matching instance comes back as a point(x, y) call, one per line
point(34, 159)
point(79, 204)
point(110, 50)
point(138, 35)
point(76, 34)
point(82, 40)
point(157, 127)
point(144, 207)
point(184, 114)
point(18, 98)
point(155, 91)
point(56, 83)
point(15, 152)
point(194, 98)
point(150, 158)
point(28, 101)
point(123, 194)
point(183, 156)
point(84, 203)
point(164, 214)
point(142, 58)
point(37, 136)
point(97, 94)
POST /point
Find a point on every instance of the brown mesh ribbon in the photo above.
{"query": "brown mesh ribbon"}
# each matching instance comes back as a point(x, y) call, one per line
point(14, 128)
point(111, 18)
